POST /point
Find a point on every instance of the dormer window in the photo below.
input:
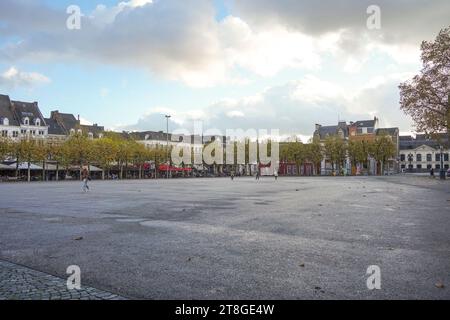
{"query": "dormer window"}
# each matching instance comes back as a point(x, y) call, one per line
point(91, 135)
point(5, 122)
point(26, 121)
point(79, 131)
point(72, 131)
point(37, 122)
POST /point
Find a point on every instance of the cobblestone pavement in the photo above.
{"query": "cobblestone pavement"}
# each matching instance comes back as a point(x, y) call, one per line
point(21, 283)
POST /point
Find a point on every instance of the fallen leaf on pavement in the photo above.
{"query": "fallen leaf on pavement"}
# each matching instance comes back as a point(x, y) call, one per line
point(440, 285)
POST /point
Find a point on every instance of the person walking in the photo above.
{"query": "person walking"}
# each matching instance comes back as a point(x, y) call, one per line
point(432, 172)
point(85, 178)
point(276, 174)
point(232, 175)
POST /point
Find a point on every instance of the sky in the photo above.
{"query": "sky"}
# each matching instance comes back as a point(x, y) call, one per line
point(247, 64)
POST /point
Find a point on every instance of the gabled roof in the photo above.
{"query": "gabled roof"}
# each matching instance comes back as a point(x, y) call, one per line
point(94, 129)
point(54, 127)
point(409, 143)
point(30, 110)
point(365, 123)
point(389, 131)
point(6, 110)
point(325, 131)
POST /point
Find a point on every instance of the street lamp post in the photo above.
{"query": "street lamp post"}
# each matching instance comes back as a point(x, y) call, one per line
point(167, 147)
point(442, 171)
point(410, 159)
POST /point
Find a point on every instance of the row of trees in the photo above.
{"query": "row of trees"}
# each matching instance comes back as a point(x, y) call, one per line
point(79, 151)
point(336, 151)
point(115, 150)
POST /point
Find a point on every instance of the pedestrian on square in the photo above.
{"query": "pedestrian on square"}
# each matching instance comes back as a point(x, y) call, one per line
point(432, 172)
point(276, 174)
point(85, 178)
point(232, 175)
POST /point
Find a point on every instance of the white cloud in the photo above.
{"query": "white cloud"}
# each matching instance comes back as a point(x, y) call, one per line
point(14, 78)
point(294, 108)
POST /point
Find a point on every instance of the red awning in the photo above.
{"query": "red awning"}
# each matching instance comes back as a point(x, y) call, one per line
point(164, 167)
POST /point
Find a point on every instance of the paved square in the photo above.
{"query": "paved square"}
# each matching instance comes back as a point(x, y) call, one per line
point(295, 238)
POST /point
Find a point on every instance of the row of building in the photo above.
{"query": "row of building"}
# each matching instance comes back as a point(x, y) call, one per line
point(421, 153)
point(412, 154)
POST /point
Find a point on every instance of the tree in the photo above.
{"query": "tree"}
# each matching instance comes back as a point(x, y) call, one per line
point(383, 148)
point(26, 150)
point(106, 151)
point(335, 151)
point(426, 97)
point(356, 153)
point(79, 150)
point(5, 148)
point(314, 154)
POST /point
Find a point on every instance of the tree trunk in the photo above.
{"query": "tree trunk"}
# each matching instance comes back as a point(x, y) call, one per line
point(57, 171)
point(29, 171)
point(43, 170)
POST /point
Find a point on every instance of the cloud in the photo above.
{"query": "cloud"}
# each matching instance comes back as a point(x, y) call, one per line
point(182, 41)
point(293, 108)
point(14, 78)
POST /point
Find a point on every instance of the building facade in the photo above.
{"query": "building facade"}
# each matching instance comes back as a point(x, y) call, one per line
point(364, 130)
point(21, 119)
point(423, 153)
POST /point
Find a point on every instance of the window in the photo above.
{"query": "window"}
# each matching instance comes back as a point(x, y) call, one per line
point(41, 133)
point(419, 166)
point(429, 166)
point(446, 166)
point(37, 122)
point(4, 133)
point(369, 130)
point(23, 131)
point(419, 157)
point(438, 157)
point(402, 157)
point(410, 166)
point(15, 134)
point(72, 131)
point(445, 156)
point(403, 166)
point(26, 121)
point(438, 166)
point(4, 121)
point(429, 158)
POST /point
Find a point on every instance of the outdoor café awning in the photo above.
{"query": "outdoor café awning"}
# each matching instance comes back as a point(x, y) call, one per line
point(5, 167)
point(94, 169)
point(24, 166)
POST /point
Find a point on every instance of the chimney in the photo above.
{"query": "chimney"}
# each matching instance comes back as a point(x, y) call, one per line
point(78, 117)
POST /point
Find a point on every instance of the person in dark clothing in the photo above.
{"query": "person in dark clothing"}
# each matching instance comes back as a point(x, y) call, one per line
point(432, 172)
